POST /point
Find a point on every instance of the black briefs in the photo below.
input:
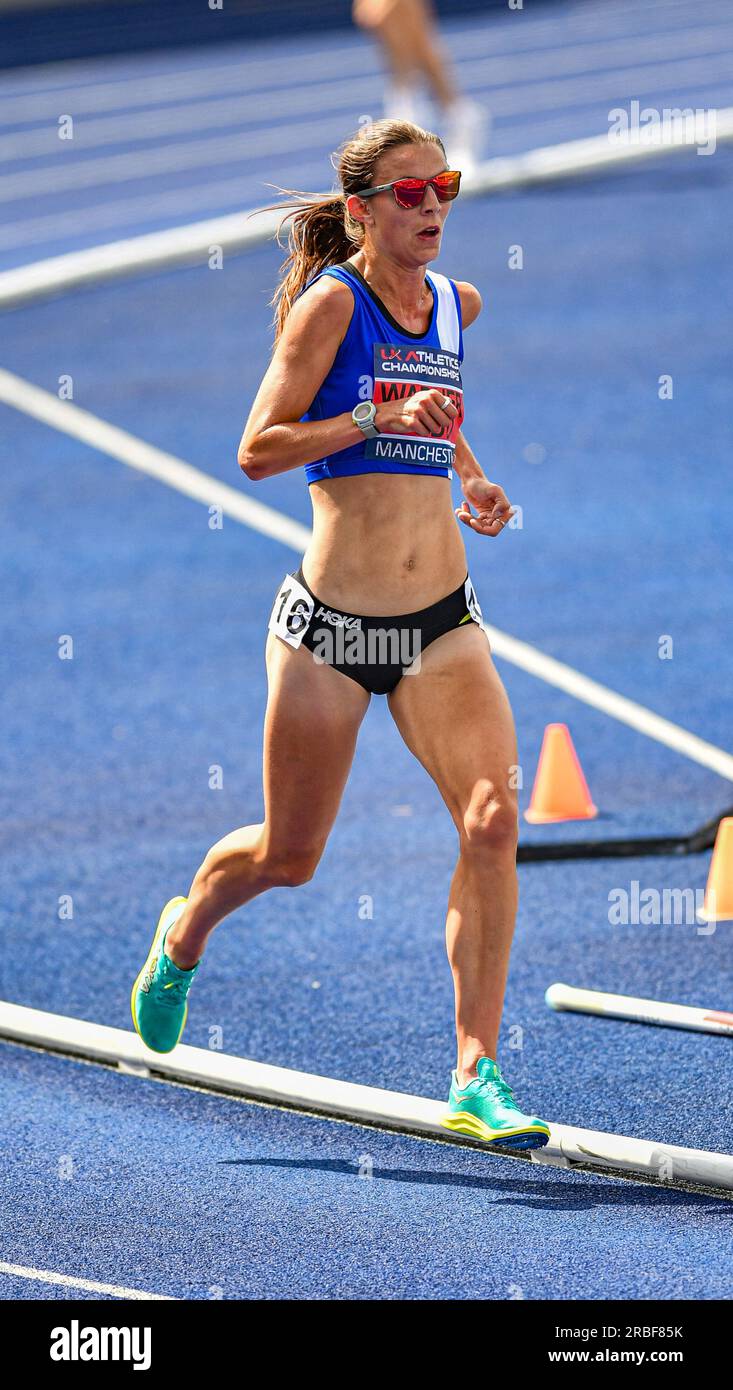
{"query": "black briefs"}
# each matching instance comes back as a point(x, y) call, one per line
point(375, 652)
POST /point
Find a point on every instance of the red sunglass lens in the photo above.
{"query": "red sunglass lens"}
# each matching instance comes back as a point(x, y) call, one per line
point(447, 185)
point(410, 192)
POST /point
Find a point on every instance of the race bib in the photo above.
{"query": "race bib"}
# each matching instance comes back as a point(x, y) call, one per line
point(291, 611)
point(472, 602)
point(399, 372)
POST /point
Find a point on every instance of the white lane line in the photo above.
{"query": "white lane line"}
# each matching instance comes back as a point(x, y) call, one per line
point(174, 246)
point(346, 1100)
point(47, 1276)
point(126, 85)
point(139, 209)
point(494, 73)
point(80, 424)
point(142, 208)
point(250, 114)
point(113, 81)
point(618, 707)
point(224, 194)
point(122, 95)
point(147, 82)
point(178, 156)
point(239, 230)
point(107, 171)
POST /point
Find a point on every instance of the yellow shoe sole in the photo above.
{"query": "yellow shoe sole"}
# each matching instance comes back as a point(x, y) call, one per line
point(466, 1123)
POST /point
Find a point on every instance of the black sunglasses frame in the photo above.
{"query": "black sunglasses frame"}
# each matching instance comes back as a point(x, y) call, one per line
point(384, 188)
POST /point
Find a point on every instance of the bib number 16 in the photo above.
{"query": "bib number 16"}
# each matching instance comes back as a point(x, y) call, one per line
point(291, 611)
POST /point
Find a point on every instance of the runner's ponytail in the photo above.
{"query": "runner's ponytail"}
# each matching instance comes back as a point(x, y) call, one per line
point(322, 231)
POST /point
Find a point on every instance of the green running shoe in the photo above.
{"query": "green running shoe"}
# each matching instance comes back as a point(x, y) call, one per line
point(158, 1001)
point(486, 1109)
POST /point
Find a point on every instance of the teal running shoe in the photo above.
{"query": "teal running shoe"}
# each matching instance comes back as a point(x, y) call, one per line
point(486, 1109)
point(158, 1001)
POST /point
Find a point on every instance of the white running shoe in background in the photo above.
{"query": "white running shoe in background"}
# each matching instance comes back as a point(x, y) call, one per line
point(403, 101)
point(464, 130)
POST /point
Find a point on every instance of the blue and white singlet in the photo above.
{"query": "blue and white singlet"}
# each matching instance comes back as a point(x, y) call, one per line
point(380, 361)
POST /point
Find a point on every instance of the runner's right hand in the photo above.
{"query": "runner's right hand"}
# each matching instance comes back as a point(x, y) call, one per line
point(421, 413)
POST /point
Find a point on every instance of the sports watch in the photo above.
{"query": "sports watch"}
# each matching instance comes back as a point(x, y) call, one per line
point(363, 415)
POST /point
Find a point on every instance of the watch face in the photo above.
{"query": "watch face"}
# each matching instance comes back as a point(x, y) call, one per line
point(364, 410)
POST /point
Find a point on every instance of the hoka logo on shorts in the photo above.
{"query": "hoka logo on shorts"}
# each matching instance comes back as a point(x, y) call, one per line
point(336, 619)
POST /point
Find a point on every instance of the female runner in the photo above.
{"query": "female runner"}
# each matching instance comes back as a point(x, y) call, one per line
point(364, 391)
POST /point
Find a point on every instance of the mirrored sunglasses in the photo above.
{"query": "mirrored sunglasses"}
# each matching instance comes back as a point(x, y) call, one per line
point(409, 193)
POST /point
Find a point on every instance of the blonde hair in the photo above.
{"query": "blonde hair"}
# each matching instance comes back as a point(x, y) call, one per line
point(322, 232)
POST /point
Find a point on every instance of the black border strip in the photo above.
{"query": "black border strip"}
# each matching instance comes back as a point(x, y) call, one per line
point(695, 843)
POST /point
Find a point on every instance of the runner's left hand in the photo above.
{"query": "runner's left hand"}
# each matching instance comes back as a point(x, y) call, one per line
point(491, 504)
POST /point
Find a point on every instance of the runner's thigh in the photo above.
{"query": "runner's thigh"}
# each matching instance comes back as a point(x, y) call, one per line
point(311, 725)
point(455, 716)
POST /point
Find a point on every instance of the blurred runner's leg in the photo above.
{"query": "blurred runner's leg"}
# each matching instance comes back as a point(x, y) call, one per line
point(409, 37)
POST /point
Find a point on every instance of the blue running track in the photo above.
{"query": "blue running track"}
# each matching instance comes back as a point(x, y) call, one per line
point(104, 771)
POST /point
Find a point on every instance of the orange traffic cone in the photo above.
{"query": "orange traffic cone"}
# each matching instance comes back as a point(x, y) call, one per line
point(718, 904)
point(560, 791)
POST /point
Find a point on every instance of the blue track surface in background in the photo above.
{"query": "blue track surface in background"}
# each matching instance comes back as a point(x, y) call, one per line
point(105, 797)
point(271, 1204)
point(164, 138)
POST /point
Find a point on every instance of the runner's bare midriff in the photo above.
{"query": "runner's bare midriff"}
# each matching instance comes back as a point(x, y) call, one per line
point(384, 543)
